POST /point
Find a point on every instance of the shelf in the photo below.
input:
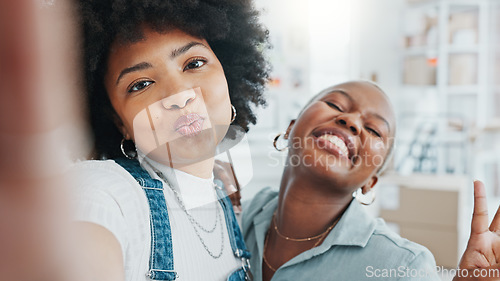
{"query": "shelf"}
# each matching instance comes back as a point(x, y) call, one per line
point(493, 126)
point(433, 51)
point(451, 90)
point(418, 89)
point(463, 90)
point(421, 51)
point(487, 155)
point(452, 49)
point(433, 4)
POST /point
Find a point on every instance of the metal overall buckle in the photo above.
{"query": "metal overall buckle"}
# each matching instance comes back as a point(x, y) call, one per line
point(246, 268)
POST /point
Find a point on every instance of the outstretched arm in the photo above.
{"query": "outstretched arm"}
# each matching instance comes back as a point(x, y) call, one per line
point(39, 115)
point(482, 256)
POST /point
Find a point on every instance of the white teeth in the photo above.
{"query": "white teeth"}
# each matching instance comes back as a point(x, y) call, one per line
point(338, 142)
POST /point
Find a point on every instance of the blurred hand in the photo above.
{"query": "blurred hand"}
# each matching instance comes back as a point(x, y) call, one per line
point(39, 99)
point(224, 171)
point(483, 249)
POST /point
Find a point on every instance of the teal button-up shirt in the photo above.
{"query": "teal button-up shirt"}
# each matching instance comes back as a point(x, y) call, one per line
point(358, 248)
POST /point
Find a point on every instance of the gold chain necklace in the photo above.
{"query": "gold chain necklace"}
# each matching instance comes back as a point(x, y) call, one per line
point(303, 239)
point(264, 253)
point(321, 236)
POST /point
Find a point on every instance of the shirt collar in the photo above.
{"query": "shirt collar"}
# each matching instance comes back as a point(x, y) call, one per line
point(262, 221)
point(354, 228)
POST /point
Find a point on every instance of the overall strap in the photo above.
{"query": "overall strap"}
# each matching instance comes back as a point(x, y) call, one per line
point(161, 261)
point(236, 238)
point(238, 246)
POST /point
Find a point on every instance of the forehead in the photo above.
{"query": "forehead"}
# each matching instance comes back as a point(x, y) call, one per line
point(151, 41)
point(364, 97)
point(153, 47)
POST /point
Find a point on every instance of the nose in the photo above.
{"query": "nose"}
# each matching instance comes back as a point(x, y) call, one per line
point(179, 100)
point(350, 121)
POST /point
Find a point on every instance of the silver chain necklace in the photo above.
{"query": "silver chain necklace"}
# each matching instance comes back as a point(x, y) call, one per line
point(194, 223)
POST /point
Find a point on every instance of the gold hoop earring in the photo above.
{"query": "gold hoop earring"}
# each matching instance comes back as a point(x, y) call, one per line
point(275, 143)
point(130, 154)
point(233, 111)
point(359, 193)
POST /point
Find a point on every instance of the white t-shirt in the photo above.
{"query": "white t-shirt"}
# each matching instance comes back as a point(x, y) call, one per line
point(107, 195)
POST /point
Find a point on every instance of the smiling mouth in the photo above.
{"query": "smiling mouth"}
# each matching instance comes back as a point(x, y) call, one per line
point(332, 141)
point(189, 125)
point(335, 141)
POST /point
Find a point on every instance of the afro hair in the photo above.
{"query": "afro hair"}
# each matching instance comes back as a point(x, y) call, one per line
point(231, 27)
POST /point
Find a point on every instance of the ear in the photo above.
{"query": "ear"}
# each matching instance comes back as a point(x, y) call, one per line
point(369, 185)
point(290, 126)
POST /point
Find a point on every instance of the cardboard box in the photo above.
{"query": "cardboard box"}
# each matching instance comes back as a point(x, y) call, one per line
point(425, 207)
point(427, 211)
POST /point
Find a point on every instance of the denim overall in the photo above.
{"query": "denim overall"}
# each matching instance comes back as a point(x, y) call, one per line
point(161, 261)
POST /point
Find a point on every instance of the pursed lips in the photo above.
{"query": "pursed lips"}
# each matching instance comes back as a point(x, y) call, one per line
point(189, 125)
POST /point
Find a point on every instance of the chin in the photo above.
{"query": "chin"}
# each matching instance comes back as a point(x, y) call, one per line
point(192, 157)
point(184, 151)
point(192, 150)
point(179, 160)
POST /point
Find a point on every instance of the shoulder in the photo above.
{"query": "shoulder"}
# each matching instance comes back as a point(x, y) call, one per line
point(98, 172)
point(388, 255)
point(102, 179)
point(257, 204)
point(407, 252)
point(98, 167)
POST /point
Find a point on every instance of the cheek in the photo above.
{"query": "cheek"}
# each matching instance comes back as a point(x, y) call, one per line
point(124, 109)
point(124, 120)
point(217, 85)
point(128, 116)
point(216, 96)
point(144, 135)
point(374, 153)
point(137, 119)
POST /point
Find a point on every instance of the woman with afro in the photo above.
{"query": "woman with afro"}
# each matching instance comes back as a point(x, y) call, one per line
point(164, 80)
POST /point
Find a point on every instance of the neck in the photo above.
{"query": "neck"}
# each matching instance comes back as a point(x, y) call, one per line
point(306, 208)
point(202, 169)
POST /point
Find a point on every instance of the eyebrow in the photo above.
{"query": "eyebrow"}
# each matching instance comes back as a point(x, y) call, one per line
point(376, 115)
point(145, 65)
point(137, 67)
point(177, 52)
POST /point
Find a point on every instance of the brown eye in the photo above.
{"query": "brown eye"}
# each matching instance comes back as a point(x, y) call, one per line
point(195, 63)
point(138, 86)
